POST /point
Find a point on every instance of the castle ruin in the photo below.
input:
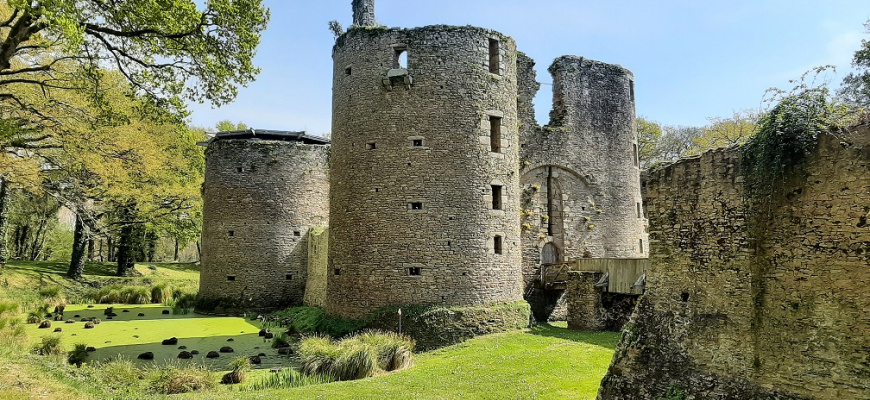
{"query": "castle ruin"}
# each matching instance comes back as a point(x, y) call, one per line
point(442, 189)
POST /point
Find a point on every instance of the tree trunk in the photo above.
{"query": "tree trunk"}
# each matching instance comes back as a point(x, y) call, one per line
point(110, 253)
point(38, 240)
point(175, 254)
point(4, 212)
point(126, 256)
point(198, 251)
point(91, 248)
point(80, 242)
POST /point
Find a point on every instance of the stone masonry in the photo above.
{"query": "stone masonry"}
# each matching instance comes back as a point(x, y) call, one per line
point(742, 305)
point(261, 197)
point(414, 170)
point(580, 175)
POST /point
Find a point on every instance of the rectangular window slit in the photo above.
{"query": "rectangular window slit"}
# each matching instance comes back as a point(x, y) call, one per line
point(238, 169)
point(640, 245)
point(337, 271)
point(495, 134)
point(494, 59)
point(415, 206)
point(231, 278)
point(347, 71)
point(635, 155)
point(371, 146)
point(631, 89)
point(231, 233)
point(297, 233)
point(639, 213)
point(496, 197)
point(414, 271)
point(417, 143)
point(496, 244)
point(288, 277)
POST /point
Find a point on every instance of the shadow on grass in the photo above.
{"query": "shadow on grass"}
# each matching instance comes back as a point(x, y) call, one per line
point(152, 312)
point(603, 339)
point(60, 268)
point(179, 267)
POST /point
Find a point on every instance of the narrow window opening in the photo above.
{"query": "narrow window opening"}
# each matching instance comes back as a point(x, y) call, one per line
point(297, 233)
point(495, 134)
point(288, 277)
point(494, 59)
point(640, 245)
point(231, 233)
point(631, 89)
point(231, 278)
point(371, 145)
point(496, 244)
point(337, 271)
point(417, 143)
point(635, 155)
point(448, 243)
point(684, 297)
point(238, 169)
point(639, 212)
point(377, 190)
point(401, 59)
point(496, 197)
point(415, 206)
point(348, 71)
point(414, 271)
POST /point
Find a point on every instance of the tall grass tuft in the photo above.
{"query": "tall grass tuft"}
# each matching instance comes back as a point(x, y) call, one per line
point(49, 346)
point(78, 355)
point(118, 375)
point(176, 378)
point(355, 357)
point(285, 379)
point(161, 292)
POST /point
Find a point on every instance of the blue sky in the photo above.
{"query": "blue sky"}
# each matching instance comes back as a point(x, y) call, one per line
point(691, 59)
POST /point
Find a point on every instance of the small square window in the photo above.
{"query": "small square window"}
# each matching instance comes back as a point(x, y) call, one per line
point(288, 277)
point(371, 146)
point(238, 169)
point(231, 278)
point(231, 233)
point(347, 71)
point(337, 271)
point(415, 206)
point(297, 233)
point(414, 271)
point(417, 143)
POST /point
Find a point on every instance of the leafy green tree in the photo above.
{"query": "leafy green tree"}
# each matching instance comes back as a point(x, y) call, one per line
point(649, 135)
point(725, 132)
point(856, 85)
point(227, 126)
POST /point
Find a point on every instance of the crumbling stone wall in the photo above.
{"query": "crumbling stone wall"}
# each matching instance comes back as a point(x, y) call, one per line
point(580, 176)
point(413, 170)
point(744, 304)
point(260, 199)
point(315, 287)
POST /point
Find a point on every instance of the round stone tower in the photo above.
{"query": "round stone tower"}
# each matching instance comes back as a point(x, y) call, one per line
point(425, 152)
point(263, 190)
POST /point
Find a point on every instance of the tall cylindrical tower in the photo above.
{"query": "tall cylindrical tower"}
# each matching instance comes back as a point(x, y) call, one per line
point(263, 190)
point(424, 182)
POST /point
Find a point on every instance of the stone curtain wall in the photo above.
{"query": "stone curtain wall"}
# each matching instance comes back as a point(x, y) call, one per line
point(412, 171)
point(260, 197)
point(315, 287)
point(726, 319)
point(584, 161)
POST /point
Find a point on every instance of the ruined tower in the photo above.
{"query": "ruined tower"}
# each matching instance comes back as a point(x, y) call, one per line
point(580, 174)
point(263, 190)
point(424, 181)
point(364, 13)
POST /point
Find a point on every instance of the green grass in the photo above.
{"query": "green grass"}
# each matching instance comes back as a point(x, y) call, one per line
point(545, 362)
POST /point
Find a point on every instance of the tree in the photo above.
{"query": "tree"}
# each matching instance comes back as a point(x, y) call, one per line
point(649, 135)
point(227, 126)
point(725, 132)
point(855, 90)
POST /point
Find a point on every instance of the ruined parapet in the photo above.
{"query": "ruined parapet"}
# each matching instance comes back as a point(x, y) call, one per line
point(364, 13)
point(747, 302)
point(424, 170)
point(262, 192)
point(580, 174)
point(318, 250)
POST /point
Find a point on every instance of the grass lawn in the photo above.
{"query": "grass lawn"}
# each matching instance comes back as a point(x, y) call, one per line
point(545, 362)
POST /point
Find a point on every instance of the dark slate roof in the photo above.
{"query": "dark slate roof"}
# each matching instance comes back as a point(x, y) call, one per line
point(266, 134)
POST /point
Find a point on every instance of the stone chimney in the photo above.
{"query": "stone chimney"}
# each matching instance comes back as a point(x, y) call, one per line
point(364, 13)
